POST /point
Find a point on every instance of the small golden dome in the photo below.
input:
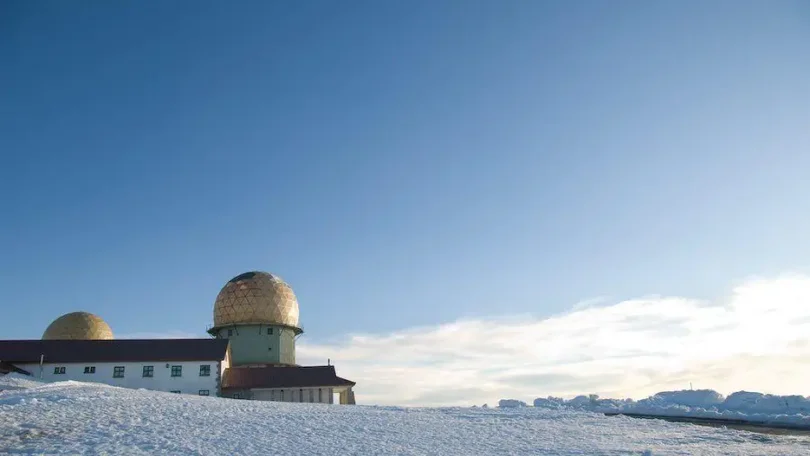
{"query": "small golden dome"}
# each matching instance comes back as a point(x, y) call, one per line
point(78, 325)
point(256, 298)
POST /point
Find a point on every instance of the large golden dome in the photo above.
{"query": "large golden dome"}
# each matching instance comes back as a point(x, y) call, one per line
point(256, 298)
point(78, 325)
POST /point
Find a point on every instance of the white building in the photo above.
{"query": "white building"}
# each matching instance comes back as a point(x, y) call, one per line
point(187, 366)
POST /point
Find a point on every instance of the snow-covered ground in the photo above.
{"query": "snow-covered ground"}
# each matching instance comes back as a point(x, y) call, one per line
point(84, 418)
point(751, 407)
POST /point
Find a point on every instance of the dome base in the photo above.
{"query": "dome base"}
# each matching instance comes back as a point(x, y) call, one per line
point(214, 330)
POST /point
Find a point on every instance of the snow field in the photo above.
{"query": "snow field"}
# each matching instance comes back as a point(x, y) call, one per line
point(84, 418)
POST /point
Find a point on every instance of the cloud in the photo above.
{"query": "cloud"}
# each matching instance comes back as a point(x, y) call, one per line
point(757, 338)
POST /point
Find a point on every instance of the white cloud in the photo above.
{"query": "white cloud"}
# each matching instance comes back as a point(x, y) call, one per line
point(758, 338)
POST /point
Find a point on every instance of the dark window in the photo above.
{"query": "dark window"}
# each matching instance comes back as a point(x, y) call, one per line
point(203, 392)
point(59, 370)
point(301, 395)
point(269, 331)
point(175, 391)
point(118, 372)
point(311, 395)
point(177, 371)
point(242, 276)
point(148, 371)
point(89, 369)
point(230, 332)
point(205, 370)
point(320, 395)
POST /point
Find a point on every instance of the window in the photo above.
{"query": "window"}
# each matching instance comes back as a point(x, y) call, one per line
point(59, 370)
point(230, 332)
point(205, 370)
point(148, 371)
point(177, 371)
point(89, 369)
point(301, 395)
point(118, 372)
point(311, 395)
point(269, 331)
point(175, 391)
point(320, 394)
point(203, 392)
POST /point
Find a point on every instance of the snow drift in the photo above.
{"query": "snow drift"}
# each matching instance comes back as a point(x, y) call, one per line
point(15, 381)
point(752, 407)
point(511, 403)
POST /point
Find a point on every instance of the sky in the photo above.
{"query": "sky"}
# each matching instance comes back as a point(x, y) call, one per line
point(496, 198)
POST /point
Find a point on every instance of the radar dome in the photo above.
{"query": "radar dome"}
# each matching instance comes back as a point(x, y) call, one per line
point(256, 298)
point(78, 325)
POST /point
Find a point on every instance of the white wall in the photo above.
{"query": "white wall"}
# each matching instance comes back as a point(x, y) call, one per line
point(189, 383)
point(293, 395)
point(226, 363)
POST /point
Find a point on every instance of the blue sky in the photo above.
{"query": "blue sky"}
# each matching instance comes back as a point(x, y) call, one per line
point(400, 164)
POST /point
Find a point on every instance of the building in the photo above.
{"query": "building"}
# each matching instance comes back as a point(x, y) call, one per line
point(251, 355)
point(188, 366)
point(287, 384)
point(258, 313)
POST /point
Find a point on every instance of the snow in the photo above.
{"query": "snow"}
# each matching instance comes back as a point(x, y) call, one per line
point(746, 406)
point(15, 381)
point(86, 418)
point(689, 398)
point(767, 403)
point(510, 403)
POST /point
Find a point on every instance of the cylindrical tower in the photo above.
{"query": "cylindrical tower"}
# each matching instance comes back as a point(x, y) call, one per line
point(258, 313)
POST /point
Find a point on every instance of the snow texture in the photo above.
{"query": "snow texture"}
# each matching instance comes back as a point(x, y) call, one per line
point(15, 381)
point(510, 403)
point(752, 407)
point(88, 418)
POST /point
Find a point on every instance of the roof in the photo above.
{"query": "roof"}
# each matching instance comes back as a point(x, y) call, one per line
point(282, 377)
point(118, 350)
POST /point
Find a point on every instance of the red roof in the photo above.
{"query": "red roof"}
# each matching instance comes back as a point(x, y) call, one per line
point(282, 377)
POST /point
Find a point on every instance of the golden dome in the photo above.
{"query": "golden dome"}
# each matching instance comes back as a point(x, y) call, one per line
point(78, 325)
point(256, 298)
